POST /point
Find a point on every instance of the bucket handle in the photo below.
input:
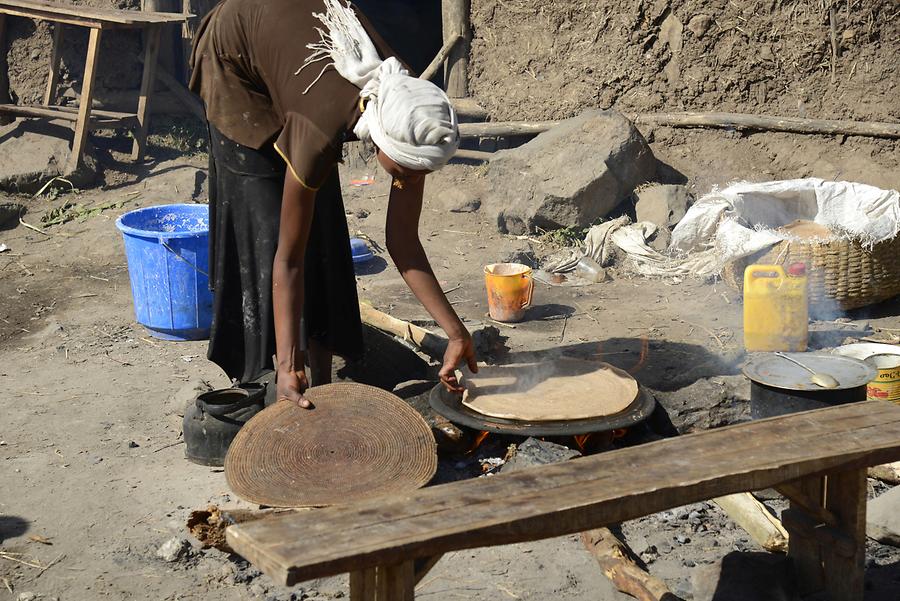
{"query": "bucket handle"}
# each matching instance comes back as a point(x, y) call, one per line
point(172, 250)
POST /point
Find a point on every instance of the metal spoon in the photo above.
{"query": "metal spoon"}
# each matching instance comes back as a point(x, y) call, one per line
point(819, 379)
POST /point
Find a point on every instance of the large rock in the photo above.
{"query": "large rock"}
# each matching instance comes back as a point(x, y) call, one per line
point(707, 403)
point(571, 175)
point(32, 152)
point(883, 518)
point(662, 204)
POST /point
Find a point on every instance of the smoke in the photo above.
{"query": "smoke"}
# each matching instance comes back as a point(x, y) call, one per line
point(523, 377)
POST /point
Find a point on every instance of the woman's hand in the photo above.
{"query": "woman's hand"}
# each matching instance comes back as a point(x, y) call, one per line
point(459, 350)
point(290, 386)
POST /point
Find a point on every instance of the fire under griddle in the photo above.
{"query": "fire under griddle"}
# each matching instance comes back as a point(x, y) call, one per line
point(450, 405)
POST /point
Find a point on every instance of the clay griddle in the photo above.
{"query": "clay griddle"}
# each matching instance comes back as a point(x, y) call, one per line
point(450, 405)
point(358, 442)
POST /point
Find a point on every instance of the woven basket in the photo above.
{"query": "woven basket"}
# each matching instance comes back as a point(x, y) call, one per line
point(842, 273)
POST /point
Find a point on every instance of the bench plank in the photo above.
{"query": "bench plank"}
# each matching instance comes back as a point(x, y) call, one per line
point(573, 496)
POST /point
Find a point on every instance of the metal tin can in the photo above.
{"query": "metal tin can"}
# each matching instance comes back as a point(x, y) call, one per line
point(886, 385)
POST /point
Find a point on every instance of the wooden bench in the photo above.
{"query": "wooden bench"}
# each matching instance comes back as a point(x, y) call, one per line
point(96, 20)
point(817, 459)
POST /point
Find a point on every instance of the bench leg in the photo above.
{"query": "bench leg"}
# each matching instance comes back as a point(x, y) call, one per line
point(4, 77)
point(396, 582)
point(362, 585)
point(82, 125)
point(803, 550)
point(845, 496)
point(151, 54)
point(826, 524)
point(53, 79)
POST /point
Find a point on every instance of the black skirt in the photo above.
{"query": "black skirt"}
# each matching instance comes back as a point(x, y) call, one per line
point(245, 207)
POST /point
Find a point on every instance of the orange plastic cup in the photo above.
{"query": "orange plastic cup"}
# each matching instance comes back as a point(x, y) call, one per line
point(510, 287)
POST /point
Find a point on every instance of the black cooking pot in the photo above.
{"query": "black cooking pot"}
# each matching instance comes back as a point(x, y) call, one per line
point(779, 387)
point(213, 420)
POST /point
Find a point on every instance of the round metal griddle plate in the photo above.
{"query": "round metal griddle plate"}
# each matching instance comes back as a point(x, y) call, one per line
point(771, 370)
point(358, 442)
point(450, 405)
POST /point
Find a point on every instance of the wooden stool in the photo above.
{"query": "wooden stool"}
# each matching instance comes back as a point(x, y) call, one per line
point(96, 20)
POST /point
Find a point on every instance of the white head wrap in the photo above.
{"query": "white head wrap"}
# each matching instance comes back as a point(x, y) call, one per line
point(409, 119)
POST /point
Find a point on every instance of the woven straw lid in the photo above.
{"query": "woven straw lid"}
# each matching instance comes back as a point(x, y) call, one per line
point(358, 442)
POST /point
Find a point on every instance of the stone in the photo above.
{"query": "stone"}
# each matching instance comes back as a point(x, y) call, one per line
point(662, 204)
point(459, 200)
point(34, 151)
point(699, 25)
point(27, 596)
point(569, 176)
point(707, 403)
point(670, 33)
point(661, 240)
point(518, 251)
point(883, 518)
point(174, 549)
point(745, 577)
point(535, 452)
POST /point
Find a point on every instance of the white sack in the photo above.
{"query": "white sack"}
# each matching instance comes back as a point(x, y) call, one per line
point(740, 220)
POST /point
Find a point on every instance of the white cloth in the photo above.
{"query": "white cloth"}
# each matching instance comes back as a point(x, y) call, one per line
point(629, 238)
point(741, 220)
point(409, 119)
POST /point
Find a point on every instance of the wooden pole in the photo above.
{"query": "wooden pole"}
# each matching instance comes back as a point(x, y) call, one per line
point(151, 53)
point(184, 96)
point(874, 129)
point(440, 57)
point(755, 519)
point(53, 78)
point(82, 125)
point(614, 558)
point(473, 155)
point(4, 68)
point(455, 14)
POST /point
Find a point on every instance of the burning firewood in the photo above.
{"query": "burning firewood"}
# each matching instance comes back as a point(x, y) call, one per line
point(488, 341)
point(617, 562)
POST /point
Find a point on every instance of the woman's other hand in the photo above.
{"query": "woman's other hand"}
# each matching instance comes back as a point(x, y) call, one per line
point(459, 350)
point(290, 386)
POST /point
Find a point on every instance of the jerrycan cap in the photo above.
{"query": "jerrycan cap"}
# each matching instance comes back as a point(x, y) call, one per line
point(797, 269)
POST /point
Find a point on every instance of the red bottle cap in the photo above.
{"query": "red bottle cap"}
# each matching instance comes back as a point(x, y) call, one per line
point(797, 269)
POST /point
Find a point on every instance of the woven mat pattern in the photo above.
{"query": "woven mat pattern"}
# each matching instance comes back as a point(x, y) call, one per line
point(358, 442)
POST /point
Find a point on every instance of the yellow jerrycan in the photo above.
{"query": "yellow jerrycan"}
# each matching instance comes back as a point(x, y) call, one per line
point(776, 313)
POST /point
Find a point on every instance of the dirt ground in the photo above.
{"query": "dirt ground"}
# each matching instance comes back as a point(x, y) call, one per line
point(91, 458)
point(540, 60)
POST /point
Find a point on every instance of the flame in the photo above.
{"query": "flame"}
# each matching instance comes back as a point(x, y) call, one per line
point(479, 438)
point(642, 358)
point(581, 440)
point(645, 350)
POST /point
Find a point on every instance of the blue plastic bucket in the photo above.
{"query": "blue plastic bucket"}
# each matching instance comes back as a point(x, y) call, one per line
point(360, 251)
point(168, 262)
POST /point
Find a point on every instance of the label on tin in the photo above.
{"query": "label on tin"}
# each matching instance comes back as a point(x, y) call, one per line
point(886, 386)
